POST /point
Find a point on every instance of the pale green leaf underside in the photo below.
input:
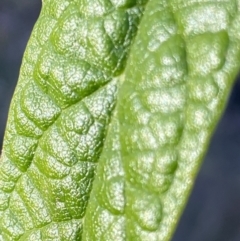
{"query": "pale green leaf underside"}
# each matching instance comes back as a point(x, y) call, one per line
point(173, 81)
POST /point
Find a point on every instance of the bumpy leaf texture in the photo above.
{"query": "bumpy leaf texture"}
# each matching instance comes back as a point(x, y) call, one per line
point(75, 164)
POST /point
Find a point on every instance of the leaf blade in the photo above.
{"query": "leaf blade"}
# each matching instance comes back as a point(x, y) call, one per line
point(59, 116)
point(181, 68)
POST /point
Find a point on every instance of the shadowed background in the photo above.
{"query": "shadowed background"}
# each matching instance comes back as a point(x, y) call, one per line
point(213, 211)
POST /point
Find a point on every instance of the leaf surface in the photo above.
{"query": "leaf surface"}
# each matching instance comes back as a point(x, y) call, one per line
point(173, 87)
point(177, 80)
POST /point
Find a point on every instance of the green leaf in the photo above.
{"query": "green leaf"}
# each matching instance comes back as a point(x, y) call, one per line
point(176, 83)
point(173, 87)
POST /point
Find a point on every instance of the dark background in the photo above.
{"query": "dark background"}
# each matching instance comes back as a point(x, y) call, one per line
point(213, 211)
